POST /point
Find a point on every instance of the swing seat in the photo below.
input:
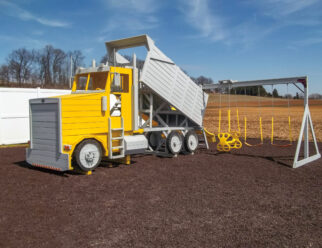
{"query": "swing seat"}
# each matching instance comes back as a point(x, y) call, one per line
point(228, 141)
point(235, 143)
point(223, 145)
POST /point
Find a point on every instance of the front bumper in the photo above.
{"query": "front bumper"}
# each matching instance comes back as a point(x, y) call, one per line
point(38, 158)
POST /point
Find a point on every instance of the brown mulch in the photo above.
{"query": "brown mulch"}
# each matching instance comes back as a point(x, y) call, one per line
point(246, 198)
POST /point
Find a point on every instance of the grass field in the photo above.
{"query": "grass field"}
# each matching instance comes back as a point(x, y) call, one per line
point(252, 107)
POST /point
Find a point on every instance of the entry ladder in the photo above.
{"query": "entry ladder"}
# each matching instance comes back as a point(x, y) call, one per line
point(119, 153)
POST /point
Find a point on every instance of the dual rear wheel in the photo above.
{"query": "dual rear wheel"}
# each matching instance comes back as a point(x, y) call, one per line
point(175, 141)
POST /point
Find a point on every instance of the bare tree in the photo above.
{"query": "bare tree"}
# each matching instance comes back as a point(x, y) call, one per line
point(201, 80)
point(58, 60)
point(20, 63)
point(78, 59)
point(4, 74)
point(45, 58)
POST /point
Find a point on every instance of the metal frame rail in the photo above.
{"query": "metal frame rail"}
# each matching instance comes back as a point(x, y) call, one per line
point(306, 120)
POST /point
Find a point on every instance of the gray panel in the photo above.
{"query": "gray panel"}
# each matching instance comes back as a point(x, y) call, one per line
point(36, 124)
point(44, 147)
point(43, 142)
point(45, 135)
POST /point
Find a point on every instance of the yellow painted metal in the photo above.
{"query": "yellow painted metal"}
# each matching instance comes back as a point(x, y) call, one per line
point(238, 125)
point(228, 141)
point(87, 82)
point(82, 115)
point(272, 135)
point(223, 145)
point(290, 134)
point(229, 127)
point(211, 137)
point(127, 159)
point(139, 131)
point(219, 121)
point(261, 133)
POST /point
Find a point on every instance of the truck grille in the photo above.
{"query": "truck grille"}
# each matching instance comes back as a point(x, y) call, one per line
point(45, 127)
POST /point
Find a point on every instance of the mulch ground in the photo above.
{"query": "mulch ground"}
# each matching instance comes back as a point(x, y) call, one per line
point(246, 198)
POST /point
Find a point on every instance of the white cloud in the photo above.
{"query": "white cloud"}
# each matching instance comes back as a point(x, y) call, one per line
point(197, 13)
point(14, 10)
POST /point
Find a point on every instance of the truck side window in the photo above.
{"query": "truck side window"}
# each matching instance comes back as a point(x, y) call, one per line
point(120, 83)
point(81, 82)
point(99, 81)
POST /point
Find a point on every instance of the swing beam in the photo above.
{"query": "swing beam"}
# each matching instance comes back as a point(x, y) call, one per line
point(301, 83)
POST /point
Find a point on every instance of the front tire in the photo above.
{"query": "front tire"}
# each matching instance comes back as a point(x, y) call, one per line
point(174, 142)
point(88, 155)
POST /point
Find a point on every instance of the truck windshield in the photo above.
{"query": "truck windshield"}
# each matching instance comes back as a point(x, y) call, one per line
point(92, 81)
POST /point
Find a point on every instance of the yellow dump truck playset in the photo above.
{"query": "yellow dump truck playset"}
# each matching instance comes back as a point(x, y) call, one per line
point(116, 110)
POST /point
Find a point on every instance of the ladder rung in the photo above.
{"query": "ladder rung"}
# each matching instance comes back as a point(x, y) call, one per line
point(118, 156)
point(117, 147)
point(117, 138)
point(117, 129)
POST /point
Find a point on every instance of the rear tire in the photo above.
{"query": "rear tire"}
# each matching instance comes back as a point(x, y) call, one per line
point(191, 141)
point(154, 139)
point(174, 143)
point(88, 155)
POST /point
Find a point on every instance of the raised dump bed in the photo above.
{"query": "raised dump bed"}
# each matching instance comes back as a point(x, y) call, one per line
point(165, 78)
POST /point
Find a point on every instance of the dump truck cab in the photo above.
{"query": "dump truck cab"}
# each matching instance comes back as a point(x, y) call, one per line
point(94, 121)
point(114, 110)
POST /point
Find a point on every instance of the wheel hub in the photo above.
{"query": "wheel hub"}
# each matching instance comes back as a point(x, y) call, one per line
point(89, 157)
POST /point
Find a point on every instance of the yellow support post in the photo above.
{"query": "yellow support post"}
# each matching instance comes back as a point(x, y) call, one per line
point(219, 121)
point(245, 118)
point(272, 135)
point(261, 128)
point(228, 112)
point(238, 125)
point(290, 129)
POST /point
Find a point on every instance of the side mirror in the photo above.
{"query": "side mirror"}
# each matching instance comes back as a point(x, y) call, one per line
point(104, 103)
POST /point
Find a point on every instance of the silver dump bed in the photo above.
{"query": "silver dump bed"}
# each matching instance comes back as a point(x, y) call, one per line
point(166, 79)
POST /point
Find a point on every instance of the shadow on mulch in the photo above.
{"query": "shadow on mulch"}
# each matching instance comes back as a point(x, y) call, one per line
point(275, 159)
point(104, 164)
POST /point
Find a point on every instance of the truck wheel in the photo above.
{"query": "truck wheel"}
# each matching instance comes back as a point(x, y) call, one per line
point(88, 155)
point(191, 141)
point(154, 139)
point(174, 142)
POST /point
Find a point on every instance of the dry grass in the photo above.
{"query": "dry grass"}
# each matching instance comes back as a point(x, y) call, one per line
point(249, 106)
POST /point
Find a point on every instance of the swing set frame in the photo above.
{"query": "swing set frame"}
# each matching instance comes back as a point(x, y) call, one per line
point(301, 83)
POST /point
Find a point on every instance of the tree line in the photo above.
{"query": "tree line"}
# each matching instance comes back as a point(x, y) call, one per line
point(46, 67)
point(50, 67)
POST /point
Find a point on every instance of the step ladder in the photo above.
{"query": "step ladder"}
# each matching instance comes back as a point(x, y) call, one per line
point(203, 142)
point(120, 153)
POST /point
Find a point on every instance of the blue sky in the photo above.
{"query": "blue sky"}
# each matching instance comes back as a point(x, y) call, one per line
point(240, 40)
